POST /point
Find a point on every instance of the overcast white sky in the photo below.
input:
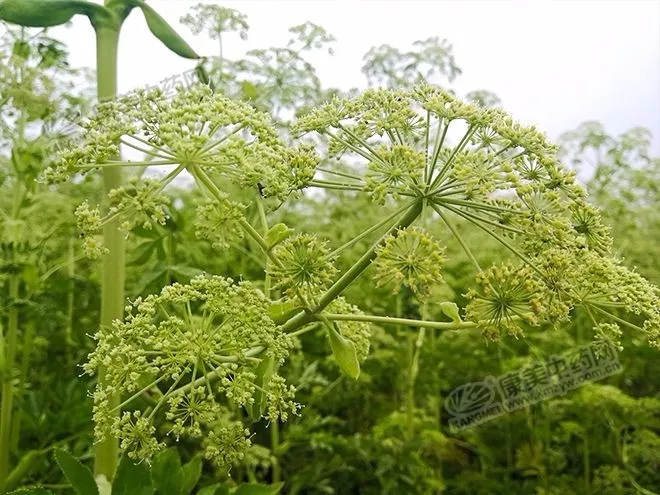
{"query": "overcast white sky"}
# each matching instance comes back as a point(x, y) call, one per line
point(554, 63)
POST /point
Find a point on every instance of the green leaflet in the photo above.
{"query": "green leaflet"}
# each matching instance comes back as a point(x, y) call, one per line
point(132, 479)
point(47, 13)
point(166, 473)
point(190, 473)
point(450, 309)
point(25, 464)
point(277, 234)
point(170, 477)
point(78, 474)
point(280, 311)
point(164, 32)
point(263, 374)
point(344, 352)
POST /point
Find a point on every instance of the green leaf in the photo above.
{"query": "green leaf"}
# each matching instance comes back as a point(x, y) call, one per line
point(143, 252)
point(132, 479)
point(47, 13)
point(79, 476)
point(215, 489)
point(344, 351)
point(140, 231)
point(450, 309)
point(259, 489)
point(165, 33)
point(161, 254)
point(148, 278)
point(191, 473)
point(280, 311)
point(166, 473)
point(277, 234)
point(184, 273)
point(29, 459)
point(263, 373)
point(249, 90)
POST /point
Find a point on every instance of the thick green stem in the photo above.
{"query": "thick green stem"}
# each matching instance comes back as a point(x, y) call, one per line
point(112, 291)
point(275, 446)
point(7, 385)
point(275, 425)
point(26, 354)
point(352, 273)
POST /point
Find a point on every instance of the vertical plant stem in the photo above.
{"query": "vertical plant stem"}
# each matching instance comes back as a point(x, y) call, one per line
point(586, 463)
point(7, 385)
point(275, 425)
point(509, 442)
point(112, 290)
point(26, 354)
point(410, 389)
point(414, 370)
point(274, 445)
point(71, 271)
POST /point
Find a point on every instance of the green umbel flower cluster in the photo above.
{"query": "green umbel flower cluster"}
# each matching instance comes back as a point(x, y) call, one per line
point(196, 128)
point(195, 349)
point(139, 201)
point(208, 135)
point(479, 166)
point(219, 221)
point(89, 224)
point(505, 297)
point(304, 265)
point(411, 258)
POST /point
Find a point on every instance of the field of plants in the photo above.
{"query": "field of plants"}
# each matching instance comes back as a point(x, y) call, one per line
point(243, 281)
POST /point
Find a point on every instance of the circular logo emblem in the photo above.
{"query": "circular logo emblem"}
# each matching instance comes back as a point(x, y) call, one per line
point(469, 398)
